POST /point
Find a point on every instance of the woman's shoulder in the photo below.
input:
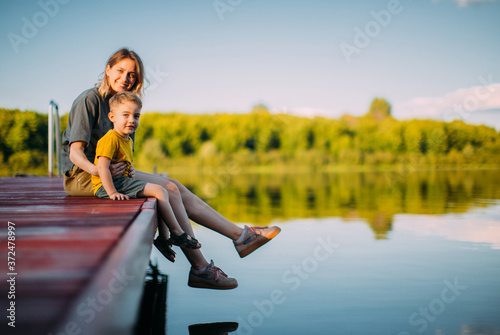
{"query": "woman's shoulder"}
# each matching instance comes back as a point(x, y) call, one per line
point(90, 102)
point(91, 95)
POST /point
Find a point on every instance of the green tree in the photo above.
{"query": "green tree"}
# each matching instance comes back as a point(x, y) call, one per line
point(379, 109)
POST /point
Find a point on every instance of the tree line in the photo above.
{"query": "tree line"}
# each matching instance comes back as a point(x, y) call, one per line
point(284, 141)
point(263, 139)
point(23, 142)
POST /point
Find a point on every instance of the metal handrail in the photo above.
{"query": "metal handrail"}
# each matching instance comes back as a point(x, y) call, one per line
point(54, 128)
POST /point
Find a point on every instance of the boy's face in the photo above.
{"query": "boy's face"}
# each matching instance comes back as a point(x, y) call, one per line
point(125, 118)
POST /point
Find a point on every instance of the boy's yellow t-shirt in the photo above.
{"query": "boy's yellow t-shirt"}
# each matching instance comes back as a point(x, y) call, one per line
point(116, 148)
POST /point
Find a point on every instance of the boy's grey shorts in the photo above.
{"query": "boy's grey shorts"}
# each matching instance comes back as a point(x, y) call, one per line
point(124, 185)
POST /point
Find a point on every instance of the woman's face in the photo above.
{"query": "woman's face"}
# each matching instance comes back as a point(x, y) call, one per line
point(122, 75)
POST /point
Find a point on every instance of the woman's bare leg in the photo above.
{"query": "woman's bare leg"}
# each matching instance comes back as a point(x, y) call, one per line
point(192, 206)
point(184, 202)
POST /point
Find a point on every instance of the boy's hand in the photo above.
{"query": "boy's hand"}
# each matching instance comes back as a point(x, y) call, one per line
point(118, 196)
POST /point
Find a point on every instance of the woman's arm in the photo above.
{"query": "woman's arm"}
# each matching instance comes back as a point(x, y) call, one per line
point(103, 164)
point(77, 156)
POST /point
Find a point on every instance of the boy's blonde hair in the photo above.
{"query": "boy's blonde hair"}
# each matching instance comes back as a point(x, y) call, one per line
point(121, 97)
point(103, 85)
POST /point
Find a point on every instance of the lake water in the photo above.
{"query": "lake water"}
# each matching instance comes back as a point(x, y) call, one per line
point(359, 253)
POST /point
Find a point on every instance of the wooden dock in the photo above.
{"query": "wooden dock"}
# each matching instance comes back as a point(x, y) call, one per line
point(78, 263)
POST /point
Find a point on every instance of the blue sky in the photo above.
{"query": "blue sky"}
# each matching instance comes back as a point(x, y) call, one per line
point(429, 59)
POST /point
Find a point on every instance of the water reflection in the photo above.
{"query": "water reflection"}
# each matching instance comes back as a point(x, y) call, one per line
point(374, 197)
point(152, 319)
point(441, 229)
point(478, 329)
point(215, 328)
point(472, 228)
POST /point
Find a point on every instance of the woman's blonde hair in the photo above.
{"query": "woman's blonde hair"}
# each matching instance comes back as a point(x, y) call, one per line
point(103, 84)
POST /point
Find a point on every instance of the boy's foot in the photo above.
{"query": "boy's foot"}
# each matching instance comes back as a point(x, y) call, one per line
point(165, 247)
point(185, 241)
point(211, 277)
point(253, 238)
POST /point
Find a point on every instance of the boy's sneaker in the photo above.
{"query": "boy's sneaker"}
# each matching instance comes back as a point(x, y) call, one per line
point(165, 247)
point(253, 238)
point(211, 277)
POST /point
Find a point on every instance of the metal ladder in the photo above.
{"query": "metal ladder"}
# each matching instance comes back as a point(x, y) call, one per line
point(54, 129)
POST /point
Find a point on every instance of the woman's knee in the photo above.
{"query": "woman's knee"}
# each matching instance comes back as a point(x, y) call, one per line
point(171, 187)
point(174, 190)
point(184, 192)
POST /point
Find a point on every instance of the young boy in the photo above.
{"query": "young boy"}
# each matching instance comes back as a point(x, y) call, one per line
point(116, 145)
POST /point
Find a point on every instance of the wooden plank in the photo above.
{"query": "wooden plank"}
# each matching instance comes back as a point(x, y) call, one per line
point(61, 242)
point(110, 304)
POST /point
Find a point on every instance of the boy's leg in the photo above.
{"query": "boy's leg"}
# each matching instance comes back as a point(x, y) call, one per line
point(194, 256)
point(184, 201)
point(163, 230)
point(166, 213)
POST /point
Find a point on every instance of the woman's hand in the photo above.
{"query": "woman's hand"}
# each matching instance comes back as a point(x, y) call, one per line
point(77, 156)
point(118, 196)
point(117, 169)
point(131, 172)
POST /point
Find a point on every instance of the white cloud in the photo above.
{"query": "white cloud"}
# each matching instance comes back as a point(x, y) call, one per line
point(468, 228)
point(474, 105)
point(465, 3)
point(309, 112)
point(459, 104)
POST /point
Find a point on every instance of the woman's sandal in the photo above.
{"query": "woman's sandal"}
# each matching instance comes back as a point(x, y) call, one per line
point(184, 241)
point(165, 247)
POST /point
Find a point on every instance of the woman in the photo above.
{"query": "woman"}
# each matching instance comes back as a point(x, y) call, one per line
point(88, 122)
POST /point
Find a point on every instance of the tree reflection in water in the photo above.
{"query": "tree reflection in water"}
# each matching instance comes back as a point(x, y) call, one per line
point(372, 196)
